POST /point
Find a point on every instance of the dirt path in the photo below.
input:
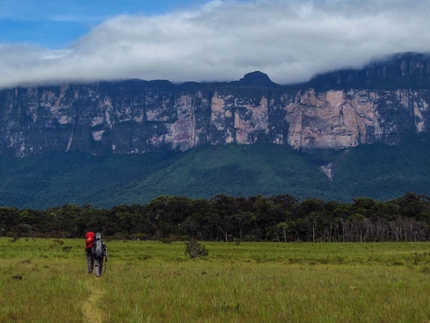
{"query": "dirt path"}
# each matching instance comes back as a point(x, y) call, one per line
point(90, 310)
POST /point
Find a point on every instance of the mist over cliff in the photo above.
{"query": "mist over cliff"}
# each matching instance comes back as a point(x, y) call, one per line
point(338, 110)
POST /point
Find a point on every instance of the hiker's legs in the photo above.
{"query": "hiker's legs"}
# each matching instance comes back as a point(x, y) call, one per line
point(98, 267)
point(90, 262)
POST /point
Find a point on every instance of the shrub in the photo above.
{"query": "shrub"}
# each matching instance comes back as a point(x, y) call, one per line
point(195, 249)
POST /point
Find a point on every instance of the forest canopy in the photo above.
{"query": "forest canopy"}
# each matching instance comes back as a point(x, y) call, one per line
point(280, 218)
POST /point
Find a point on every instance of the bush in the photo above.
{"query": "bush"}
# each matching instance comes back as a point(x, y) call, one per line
point(195, 249)
point(168, 240)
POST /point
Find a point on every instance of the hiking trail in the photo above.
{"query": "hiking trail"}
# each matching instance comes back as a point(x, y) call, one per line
point(90, 310)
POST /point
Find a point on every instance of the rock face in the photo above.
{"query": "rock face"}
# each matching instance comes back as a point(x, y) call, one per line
point(337, 110)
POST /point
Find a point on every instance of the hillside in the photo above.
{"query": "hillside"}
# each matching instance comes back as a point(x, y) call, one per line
point(376, 171)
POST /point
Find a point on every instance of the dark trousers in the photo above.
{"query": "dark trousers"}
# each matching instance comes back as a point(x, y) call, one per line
point(90, 261)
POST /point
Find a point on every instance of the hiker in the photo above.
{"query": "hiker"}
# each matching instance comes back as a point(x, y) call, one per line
point(89, 236)
point(99, 254)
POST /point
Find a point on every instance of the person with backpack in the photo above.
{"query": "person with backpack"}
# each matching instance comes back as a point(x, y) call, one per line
point(89, 239)
point(99, 250)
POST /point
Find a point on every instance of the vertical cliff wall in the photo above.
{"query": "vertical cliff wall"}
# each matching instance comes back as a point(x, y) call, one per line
point(142, 116)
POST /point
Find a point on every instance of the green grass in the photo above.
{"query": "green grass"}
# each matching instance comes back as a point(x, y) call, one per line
point(149, 281)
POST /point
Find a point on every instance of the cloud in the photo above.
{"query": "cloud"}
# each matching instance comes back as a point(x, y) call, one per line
point(223, 40)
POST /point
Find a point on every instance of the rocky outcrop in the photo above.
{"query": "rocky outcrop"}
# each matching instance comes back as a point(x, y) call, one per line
point(347, 118)
point(134, 117)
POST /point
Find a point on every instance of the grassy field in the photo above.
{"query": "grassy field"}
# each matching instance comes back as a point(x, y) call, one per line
point(45, 281)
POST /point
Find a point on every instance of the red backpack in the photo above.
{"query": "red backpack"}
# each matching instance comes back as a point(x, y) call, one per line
point(89, 240)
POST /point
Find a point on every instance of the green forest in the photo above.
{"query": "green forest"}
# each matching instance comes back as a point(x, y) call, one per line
point(223, 193)
point(281, 218)
point(374, 171)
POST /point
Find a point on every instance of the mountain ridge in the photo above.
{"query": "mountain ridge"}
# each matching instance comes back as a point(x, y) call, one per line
point(333, 137)
point(337, 110)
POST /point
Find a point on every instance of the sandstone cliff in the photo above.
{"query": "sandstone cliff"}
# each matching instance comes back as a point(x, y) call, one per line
point(379, 103)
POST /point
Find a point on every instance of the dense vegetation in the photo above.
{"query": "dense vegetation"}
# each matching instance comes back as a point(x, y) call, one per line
point(372, 171)
point(225, 218)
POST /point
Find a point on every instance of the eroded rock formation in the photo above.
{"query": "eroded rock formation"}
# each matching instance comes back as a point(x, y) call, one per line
point(142, 116)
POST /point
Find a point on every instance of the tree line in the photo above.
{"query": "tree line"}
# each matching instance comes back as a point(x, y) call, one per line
point(280, 218)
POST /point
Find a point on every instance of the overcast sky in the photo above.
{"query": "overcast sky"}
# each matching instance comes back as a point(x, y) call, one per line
point(198, 40)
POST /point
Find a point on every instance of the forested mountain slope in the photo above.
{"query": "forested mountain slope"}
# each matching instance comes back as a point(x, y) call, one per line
point(343, 134)
point(375, 171)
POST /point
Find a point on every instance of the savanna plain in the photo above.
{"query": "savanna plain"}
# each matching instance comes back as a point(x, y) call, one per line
point(45, 280)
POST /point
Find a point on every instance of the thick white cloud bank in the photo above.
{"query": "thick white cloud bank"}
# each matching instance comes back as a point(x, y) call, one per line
point(290, 40)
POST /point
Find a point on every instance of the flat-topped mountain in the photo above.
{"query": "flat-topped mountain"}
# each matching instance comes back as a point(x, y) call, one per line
point(379, 103)
point(364, 132)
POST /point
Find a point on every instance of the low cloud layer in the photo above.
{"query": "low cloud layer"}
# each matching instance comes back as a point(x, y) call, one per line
point(290, 40)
